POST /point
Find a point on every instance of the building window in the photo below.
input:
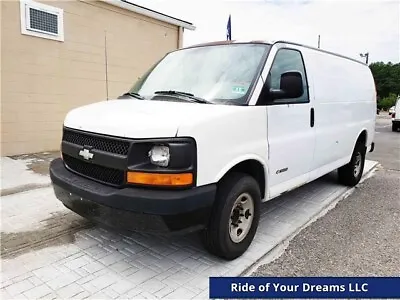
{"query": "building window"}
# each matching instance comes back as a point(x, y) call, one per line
point(42, 20)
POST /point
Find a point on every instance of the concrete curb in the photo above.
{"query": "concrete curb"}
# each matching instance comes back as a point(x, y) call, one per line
point(23, 188)
point(280, 248)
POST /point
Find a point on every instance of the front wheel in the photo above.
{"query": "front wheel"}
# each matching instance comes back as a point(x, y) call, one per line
point(351, 173)
point(394, 127)
point(235, 217)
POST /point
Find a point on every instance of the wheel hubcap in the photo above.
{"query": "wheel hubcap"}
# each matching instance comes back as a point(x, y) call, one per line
point(357, 164)
point(241, 217)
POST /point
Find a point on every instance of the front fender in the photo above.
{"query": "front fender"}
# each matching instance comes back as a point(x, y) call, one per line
point(231, 164)
point(226, 138)
point(237, 161)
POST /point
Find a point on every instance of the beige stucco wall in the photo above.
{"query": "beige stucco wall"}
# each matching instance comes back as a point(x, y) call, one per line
point(43, 79)
point(1, 22)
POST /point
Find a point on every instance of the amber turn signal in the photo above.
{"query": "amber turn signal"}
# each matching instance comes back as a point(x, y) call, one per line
point(180, 179)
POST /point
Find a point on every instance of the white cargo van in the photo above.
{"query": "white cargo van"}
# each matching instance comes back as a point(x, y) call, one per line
point(396, 116)
point(212, 131)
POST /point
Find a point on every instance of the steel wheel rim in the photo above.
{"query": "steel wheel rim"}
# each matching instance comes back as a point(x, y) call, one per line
point(357, 164)
point(241, 217)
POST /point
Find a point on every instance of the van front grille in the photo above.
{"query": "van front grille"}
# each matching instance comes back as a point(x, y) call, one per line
point(103, 143)
point(106, 175)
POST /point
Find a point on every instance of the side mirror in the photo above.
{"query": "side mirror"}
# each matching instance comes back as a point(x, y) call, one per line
point(291, 86)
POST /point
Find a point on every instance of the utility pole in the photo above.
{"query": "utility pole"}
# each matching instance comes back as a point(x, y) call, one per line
point(106, 60)
point(319, 41)
point(366, 55)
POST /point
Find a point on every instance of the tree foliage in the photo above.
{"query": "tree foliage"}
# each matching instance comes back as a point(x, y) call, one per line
point(387, 79)
point(387, 102)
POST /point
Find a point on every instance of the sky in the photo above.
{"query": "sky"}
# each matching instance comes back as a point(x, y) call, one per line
point(348, 27)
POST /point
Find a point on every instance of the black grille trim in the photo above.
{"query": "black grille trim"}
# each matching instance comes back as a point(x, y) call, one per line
point(106, 144)
point(99, 173)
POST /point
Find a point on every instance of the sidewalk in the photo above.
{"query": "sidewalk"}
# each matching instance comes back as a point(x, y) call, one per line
point(25, 172)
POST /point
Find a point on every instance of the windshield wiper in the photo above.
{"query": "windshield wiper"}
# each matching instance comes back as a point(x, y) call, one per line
point(184, 94)
point(131, 94)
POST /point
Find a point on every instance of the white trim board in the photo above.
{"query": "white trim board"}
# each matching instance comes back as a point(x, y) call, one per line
point(150, 13)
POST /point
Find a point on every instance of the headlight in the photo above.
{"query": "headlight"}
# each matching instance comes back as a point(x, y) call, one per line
point(166, 162)
point(159, 156)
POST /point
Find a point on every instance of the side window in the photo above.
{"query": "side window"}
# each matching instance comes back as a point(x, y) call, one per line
point(288, 60)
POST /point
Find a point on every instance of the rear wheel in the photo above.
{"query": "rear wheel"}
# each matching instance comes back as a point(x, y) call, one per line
point(351, 173)
point(235, 217)
point(394, 127)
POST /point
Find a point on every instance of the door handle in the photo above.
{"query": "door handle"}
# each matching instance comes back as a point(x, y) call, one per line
point(312, 117)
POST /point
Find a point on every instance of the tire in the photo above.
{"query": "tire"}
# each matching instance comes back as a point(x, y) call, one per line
point(217, 237)
point(394, 127)
point(348, 174)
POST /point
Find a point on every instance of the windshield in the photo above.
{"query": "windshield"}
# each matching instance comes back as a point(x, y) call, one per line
point(222, 73)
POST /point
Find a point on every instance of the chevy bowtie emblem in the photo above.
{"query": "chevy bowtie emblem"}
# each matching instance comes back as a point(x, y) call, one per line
point(86, 154)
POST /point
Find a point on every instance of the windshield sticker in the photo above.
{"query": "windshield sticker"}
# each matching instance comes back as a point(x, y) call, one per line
point(239, 90)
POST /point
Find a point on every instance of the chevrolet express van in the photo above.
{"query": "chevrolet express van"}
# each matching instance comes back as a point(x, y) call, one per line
point(210, 132)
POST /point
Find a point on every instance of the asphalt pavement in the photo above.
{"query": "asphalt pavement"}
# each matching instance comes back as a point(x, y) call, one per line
point(387, 148)
point(361, 235)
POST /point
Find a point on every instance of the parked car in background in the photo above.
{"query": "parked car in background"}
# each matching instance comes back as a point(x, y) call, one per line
point(391, 110)
point(396, 116)
point(212, 131)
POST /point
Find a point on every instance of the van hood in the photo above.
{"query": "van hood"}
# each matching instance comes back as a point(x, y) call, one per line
point(141, 118)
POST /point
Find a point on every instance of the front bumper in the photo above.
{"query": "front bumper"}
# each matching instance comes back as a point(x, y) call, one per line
point(140, 209)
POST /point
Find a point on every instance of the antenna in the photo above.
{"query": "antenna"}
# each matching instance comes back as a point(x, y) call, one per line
point(366, 55)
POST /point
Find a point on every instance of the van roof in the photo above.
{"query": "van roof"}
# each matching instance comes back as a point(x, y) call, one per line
point(215, 43)
point(271, 42)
